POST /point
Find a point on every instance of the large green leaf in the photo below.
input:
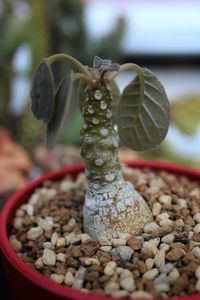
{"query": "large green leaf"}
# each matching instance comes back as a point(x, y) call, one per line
point(143, 113)
point(42, 93)
point(63, 98)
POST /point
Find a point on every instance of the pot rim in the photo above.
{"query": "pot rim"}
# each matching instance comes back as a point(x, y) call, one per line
point(34, 276)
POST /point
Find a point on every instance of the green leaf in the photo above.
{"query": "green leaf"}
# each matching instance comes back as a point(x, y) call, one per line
point(144, 113)
point(116, 98)
point(42, 93)
point(63, 98)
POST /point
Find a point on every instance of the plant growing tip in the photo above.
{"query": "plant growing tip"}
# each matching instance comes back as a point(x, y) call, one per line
point(142, 115)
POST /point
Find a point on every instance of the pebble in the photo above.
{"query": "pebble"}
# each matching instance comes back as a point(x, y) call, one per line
point(72, 223)
point(76, 239)
point(125, 252)
point(106, 248)
point(105, 242)
point(196, 217)
point(57, 278)
point(149, 228)
point(175, 254)
point(125, 273)
point(134, 243)
point(29, 210)
point(34, 233)
point(173, 275)
point(168, 238)
point(196, 252)
point(197, 272)
point(120, 294)
point(69, 279)
point(44, 224)
point(182, 203)
point(197, 286)
point(15, 243)
point(159, 258)
point(69, 237)
point(141, 294)
point(110, 268)
point(48, 245)
point(39, 263)
point(156, 209)
point(17, 223)
point(162, 287)
point(118, 242)
point(92, 261)
point(165, 222)
point(149, 263)
point(165, 199)
point(151, 274)
point(197, 228)
point(85, 237)
point(128, 284)
point(167, 268)
point(80, 274)
point(162, 216)
point(60, 242)
point(49, 257)
point(78, 284)
point(54, 238)
point(66, 185)
point(111, 287)
point(61, 257)
point(164, 246)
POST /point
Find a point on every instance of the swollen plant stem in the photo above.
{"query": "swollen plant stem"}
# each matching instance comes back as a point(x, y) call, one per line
point(112, 206)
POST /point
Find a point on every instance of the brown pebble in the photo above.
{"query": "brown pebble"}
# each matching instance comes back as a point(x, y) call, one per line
point(134, 243)
point(175, 254)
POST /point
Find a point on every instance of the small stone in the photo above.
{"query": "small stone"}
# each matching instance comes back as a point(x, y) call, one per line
point(173, 275)
point(165, 222)
point(72, 222)
point(196, 252)
point(120, 294)
point(141, 294)
point(134, 243)
point(125, 273)
point(19, 213)
point(175, 254)
point(118, 242)
point(92, 261)
point(156, 209)
point(162, 278)
point(49, 257)
point(151, 274)
point(197, 286)
point(125, 252)
point(182, 203)
point(162, 287)
point(197, 272)
point(167, 268)
point(57, 278)
point(60, 242)
point(69, 237)
point(105, 242)
point(149, 228)
point(159, 258)
point(69, 279)
point(54, 238)
point(61, 257)
point(66, 185)
point(34, 233)
point(15, 243)
point(80, 274)
point(196, 217)
point(162, 216)
point(106, 248)
point(78, 284)
point(110, 268)
point(164, 246)
point(111, 287)
point(85, 237)
point(39, 263)
point(165, 199)
point(128, 284)
point(119, 270)
point(48, 245)
point(149, 263)
point(197, 228)
point(44, 224)
point(168, 238)
point(76, 239)
point(30, 210)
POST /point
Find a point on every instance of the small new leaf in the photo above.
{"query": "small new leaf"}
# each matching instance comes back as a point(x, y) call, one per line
point(42, 93)
point(143, 116)
point(63, 98)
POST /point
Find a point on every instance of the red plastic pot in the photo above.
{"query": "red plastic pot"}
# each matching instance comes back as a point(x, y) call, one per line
point(25, 283)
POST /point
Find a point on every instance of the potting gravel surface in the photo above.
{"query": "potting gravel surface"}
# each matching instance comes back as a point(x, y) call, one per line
point(163, 261)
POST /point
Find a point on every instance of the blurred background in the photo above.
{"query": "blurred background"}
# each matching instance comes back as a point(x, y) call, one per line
point(160, 35)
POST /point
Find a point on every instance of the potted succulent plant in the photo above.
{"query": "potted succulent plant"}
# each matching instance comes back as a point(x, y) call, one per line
point(103, 235)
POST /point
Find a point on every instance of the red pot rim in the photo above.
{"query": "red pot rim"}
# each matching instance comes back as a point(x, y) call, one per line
point(37, 278)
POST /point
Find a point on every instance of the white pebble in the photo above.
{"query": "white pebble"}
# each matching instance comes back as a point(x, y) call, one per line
point(162, 216)
point(66, 185)
point(85, 237)
point(128, 284)
point(44, 224)
point(149, 228)
point(15, 243)
point(72, 222)
point(159, 258)
point(69, 237)
point(60, 242)
point(196, 217)
point(34, 233)
point(17, 223)
point(54, 238)
point(48, 245)
point(49, 257)
point(165, 222)
point(78, 284)
point(76, 239)
point(197, 286)
point(182, 203)
point(164, 246)
point(125, 273)
point(151, 274)
point(61, 257)
point(125, 252)
point(118, 242)
point(165, 199)
point(57, 278)
point(90, 261)
point(141, 294)
point(156, 209)
point(106, 248)
point(30, 210)
point(69, 279)
point(105, 242)
point(149, 263)
point(111, 287)
point(173, 275)
point(197, 228)
point(197, 272)
point(196, 252)
point(39, 263)
point(168, 238)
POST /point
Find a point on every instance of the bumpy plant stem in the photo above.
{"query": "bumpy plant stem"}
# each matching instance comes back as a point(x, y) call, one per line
point(112, 205)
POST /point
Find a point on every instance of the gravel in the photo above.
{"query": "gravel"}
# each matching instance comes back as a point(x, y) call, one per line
point(163, 261)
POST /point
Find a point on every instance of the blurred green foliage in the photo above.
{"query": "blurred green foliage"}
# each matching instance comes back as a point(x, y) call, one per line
point(49, 27)
point(186, 113)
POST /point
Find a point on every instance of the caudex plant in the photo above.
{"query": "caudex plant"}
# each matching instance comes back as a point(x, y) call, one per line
point(138, 118)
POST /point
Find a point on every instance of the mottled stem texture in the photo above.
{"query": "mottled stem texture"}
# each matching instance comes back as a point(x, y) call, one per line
point(112, 205)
